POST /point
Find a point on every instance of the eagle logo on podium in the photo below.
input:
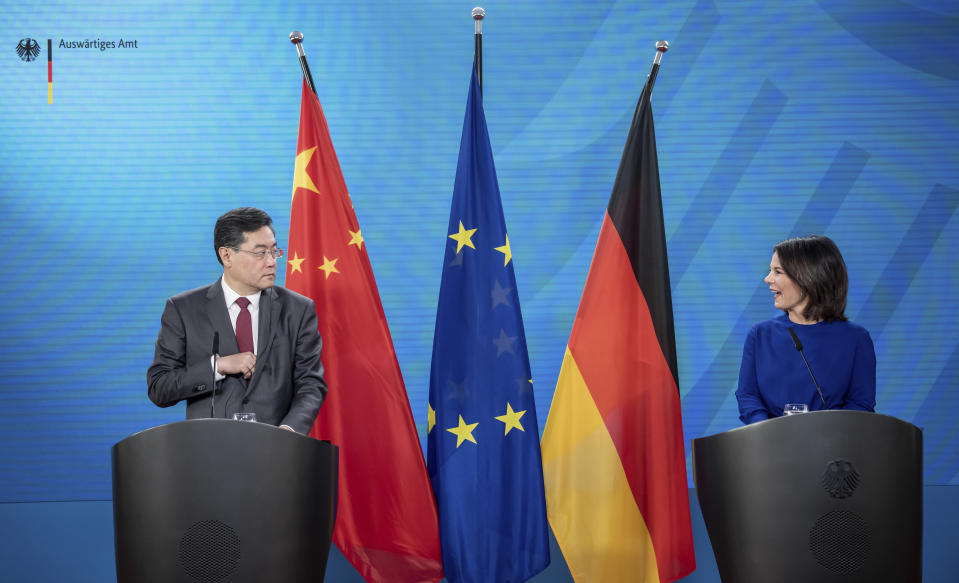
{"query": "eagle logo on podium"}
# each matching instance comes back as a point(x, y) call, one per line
point(28, 49)
point(840, 478)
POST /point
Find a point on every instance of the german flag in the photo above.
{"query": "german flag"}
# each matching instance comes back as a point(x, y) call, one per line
point(613, 458)
point(49, 70)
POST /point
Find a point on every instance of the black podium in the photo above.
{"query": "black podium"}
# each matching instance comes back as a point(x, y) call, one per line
point(829, 496)
point(213, 500)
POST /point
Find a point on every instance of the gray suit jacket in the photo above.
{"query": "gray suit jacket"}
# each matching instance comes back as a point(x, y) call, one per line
point(287, 386)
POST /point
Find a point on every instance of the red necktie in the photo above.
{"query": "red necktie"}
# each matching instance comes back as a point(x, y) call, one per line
point(244, 326)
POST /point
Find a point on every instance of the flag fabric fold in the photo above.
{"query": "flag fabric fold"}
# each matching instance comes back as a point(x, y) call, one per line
point(613, 456)
point(386, 522)
point(483, 441)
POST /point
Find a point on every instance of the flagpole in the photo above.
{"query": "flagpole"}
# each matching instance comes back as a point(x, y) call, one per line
point(296, 37)
point(661, 47)
point(478, 14)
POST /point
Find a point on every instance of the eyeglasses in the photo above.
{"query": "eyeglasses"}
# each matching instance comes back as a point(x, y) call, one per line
point(261, 255)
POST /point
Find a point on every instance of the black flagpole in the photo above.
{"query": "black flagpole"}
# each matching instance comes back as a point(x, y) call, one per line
point(661, 47)
point(296, 37)
point(478, 14)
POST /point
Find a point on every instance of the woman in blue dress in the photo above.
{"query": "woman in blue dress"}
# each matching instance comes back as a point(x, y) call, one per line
point(808, 280)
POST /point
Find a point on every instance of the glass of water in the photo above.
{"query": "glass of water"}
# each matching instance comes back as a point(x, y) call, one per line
point(794, 408)
point(244, 416)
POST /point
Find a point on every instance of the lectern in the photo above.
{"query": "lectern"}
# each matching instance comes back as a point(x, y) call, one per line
point(213, 500)
point(829, 496)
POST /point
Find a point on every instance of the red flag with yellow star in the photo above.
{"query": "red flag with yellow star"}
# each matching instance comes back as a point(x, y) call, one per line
point(386, 522)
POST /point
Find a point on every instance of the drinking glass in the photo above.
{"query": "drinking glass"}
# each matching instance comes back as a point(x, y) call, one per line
point(794, 408)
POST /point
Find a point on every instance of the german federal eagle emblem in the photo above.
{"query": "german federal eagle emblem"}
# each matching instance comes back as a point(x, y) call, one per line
point(840, 478)
point(28, 49)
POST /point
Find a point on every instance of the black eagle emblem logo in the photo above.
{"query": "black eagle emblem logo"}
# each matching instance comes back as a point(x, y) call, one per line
point(840, 478)
point(28, 49)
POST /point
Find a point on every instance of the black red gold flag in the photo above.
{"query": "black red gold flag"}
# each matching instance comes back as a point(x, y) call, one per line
point(613, 456)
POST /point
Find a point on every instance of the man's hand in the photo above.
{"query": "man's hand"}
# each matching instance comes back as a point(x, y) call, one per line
point(242, 363)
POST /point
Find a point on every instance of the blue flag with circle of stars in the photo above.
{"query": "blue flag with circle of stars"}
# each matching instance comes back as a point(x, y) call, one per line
point(483, 440)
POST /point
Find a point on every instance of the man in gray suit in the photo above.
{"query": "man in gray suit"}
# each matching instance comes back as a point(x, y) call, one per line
point(269, 344)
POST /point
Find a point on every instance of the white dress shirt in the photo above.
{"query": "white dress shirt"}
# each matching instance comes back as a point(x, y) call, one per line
point(230, 297)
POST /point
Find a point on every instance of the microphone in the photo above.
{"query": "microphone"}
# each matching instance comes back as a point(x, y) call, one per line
point(799, 348)
point(216, 349)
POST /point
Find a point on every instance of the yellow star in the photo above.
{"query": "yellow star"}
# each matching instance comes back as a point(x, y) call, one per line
point(329, 266)
point(295, 262)
point(300, 177)
point(463, 238)
point(511, 419)
point(463, 431)
point(356, 238)
point(430, 418)
point(506, 252)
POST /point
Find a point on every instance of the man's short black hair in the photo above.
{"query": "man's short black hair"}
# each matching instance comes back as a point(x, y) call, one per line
point(231, 228)
point(815, 264)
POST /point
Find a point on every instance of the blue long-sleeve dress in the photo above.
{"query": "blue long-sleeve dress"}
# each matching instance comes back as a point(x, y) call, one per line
point(841, 355)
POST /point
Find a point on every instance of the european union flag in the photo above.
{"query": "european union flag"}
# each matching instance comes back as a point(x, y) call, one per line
point(483, 442)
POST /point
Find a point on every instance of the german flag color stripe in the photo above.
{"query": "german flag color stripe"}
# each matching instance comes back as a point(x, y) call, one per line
point(49, 70)
point(599, 527)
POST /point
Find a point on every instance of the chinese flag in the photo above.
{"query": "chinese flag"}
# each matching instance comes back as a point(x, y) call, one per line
point(386, 522)
point(613, 458)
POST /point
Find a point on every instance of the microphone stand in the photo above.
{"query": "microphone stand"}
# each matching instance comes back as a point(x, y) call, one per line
point(216, 349)
point(799, 348)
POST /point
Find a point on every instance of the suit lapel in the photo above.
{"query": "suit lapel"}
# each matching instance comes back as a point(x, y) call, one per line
point(269, 311)
point(220, 319)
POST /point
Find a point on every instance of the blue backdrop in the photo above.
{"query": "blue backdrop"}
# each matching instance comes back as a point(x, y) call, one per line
point(773, 119)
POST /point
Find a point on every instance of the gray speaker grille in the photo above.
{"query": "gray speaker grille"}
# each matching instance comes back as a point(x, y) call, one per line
point(209, 551)
point(840, 541)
